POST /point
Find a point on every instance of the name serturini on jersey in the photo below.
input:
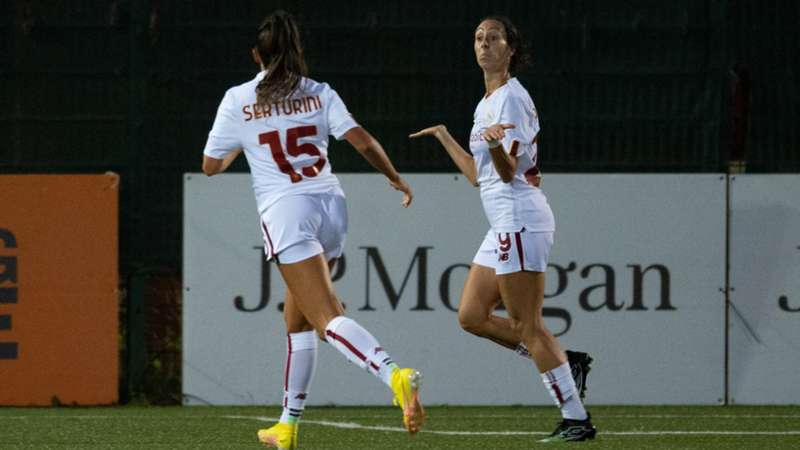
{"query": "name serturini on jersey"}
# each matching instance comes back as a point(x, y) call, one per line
point(286, 108)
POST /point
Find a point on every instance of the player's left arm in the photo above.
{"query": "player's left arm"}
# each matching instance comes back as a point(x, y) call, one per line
point(505, 162)
point(343, 126)
point(213, 166)
point(373, 152)
point(506, 133)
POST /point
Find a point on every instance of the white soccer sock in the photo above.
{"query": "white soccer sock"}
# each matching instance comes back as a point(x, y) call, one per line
point(562, 389)
point(360, 347)
point(301, 360)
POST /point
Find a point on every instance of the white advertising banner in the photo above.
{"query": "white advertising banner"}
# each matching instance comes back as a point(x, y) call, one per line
point(635, 279)
point(765, 289)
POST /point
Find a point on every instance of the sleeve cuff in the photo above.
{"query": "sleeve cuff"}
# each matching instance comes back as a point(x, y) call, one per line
point(339, 131)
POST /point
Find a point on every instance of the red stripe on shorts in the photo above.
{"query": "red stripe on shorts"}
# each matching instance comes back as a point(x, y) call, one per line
point(520, 251)
point(269, 241)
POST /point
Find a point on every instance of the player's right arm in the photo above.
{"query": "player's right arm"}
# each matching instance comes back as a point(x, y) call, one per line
point(223, 144)
point(213, 166)
point(462, 159)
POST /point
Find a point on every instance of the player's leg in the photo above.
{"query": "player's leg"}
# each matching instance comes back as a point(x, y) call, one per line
point(339, 304)
point(320, 306)
point(311, 287)
point(521, 284)
point(298, 216)
point(523, 295)
point(301, 362)
point(480, 297)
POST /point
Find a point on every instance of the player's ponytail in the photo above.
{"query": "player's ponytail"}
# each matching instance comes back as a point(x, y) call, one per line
point(279, 46)
point(521, 57)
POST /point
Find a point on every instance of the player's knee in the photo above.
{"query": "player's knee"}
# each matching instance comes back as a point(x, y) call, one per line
point(470, 321)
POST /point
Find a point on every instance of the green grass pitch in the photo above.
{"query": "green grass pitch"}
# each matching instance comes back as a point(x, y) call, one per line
point(332, 428)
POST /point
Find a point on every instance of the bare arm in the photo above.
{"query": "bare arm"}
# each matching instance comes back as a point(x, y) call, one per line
point(373, 152)
point(213, 166)
point(504, 163)
point(462, 159)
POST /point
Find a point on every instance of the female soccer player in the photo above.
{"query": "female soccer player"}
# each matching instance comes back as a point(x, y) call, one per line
point(511, 262)
point(282, 121)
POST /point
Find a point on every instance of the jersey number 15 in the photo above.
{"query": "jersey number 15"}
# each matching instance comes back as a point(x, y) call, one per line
point(273, 139)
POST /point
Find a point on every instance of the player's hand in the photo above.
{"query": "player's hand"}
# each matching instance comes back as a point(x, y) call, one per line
point(401, 185)
point(496, 132)
point(435, 131)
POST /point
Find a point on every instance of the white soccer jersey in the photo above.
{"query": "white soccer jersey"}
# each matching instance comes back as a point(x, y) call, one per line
point(286, 143)
point(510, 207)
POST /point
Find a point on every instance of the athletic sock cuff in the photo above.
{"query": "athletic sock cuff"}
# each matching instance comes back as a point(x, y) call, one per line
point(560, 379)
point(333, 325)
point(305, 340)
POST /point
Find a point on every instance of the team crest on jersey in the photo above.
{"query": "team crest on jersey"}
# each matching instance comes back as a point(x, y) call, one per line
point(476, 136)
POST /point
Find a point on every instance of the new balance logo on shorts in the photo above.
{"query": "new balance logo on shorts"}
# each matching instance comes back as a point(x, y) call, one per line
point(504, 245)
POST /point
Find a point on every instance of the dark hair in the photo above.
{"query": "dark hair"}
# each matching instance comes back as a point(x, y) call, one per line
point(521, 57)
point(278, 44)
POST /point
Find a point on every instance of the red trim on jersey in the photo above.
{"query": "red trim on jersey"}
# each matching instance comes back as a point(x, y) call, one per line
point(269, 241)
point(534, 177)
point(532, 172)
point(346, 344)
point(520, 251)
point(514, 148)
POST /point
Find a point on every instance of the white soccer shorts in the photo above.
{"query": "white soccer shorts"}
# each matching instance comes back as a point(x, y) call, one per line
point(515, 252)
point(297, 227)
